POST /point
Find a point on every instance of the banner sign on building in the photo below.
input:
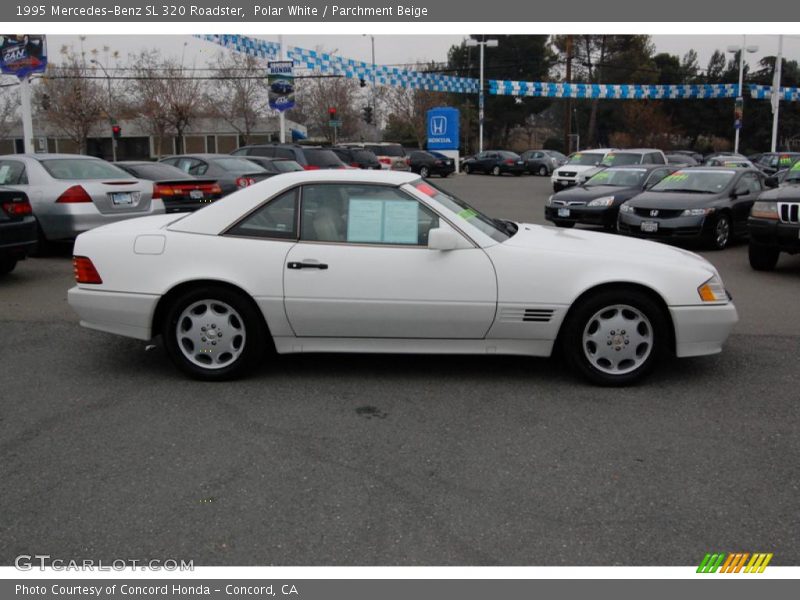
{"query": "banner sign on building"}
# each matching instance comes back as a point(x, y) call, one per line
point(281, 84)
point(22, 55)
point(443, 130)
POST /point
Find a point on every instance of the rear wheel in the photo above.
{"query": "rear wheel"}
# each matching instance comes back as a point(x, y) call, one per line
point(424, 172)
point(7, 265)
point(614, 337)
point(542, 171)
point(763, 258)
point(496, 171)
point(467, 169)
point(214, 333)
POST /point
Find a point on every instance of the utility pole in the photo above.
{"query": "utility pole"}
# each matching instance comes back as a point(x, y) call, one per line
point(776, 94)
point(27, 119)
point(568, 110)
point(110, 115)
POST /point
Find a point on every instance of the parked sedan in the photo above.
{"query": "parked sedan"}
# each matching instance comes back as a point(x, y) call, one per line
point(72, 193)
point(180, 191)
point(379, 261)
point(495, 162)
point(427, 163)
point(17, 228)
point(230, 172)
point(542, 162)
point(597, 201)
point(707, 203)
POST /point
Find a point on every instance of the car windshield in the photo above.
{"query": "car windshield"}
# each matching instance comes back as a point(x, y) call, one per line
point(322, 158)
point(286, 166)
point(238, 165)
point(613, 159)
point(158, 172)
point(618, 177)
point(695, 181)
point(83, 168)
point(793, 174)
point(498, 230)
point(586, 159)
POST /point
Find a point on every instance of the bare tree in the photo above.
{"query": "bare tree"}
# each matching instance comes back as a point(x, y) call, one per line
point(409, 107)
point(316, 95)
point(73, 103)
point(168, 98)
point(239, 96)
point(9, 105)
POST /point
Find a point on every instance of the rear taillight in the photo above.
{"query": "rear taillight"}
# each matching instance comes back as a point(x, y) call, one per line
point(385, 161)
point(408, 161)
point(19, 207)
point(215, 189)
point(243, 182)
point(354, 165)
point(159, 191)
point(310, 167)
point(84, 270)
point(509, 161)
point(73, 195)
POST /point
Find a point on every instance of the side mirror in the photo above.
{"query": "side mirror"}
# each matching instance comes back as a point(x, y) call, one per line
point(771, 181)
point(442, 239)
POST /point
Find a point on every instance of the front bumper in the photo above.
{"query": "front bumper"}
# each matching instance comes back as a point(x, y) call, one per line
point(130, 315)
point(677, 227)
point(702, 330)
point(605, 216)
point(767, 232)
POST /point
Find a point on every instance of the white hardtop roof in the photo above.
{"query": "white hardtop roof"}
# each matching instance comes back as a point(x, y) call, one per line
point(216, 217)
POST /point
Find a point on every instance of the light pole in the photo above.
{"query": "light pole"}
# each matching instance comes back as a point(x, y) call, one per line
point(740, 99)
point(374, 78)
point(776, 94)
point(94, 61)
point(471, 43)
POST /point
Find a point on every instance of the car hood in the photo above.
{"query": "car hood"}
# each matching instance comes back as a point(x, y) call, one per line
point(673, 200)
point(594, 244)
point(575, 168)
point(583, 193)
point(789, 192)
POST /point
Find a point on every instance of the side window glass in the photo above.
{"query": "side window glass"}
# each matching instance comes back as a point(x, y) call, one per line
point(276, 219)
point(284, 153)
point(364, 214)
point(753, 183)
point(197, 167)
point(12, 172)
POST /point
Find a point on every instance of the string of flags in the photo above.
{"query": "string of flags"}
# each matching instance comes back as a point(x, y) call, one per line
point(436, 82)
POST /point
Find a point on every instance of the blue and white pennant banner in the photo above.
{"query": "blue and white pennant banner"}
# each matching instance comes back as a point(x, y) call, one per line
point(346, 67)
point(612, 91)
point(764, 92)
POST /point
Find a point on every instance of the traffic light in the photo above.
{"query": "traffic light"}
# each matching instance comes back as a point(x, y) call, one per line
point(368, 114)
point(116, 131)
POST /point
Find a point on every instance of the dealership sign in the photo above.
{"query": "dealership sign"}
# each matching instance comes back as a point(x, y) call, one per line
point(443, 128)
point(22, 55)
point(280, 81)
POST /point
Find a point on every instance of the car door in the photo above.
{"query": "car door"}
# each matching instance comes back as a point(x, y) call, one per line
point(362, 269)
point(747, 190)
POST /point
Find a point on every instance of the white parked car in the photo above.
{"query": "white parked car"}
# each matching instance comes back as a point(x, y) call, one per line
point(378, 261)
point(578, 167)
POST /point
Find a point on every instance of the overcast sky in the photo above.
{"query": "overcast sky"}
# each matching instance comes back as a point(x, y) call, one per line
point(396, 49)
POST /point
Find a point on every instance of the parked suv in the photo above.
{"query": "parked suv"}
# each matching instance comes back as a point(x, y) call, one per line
point(774, 223)
point(578, 163)
point(308, 157)
point(390, 155)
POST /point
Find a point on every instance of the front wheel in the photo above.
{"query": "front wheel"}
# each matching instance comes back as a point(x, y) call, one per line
point(424, 172)
point(543, 171)
point(614, 337)
point(496, 171)
point(720, 234)
point(213, 333)
point(763, 258)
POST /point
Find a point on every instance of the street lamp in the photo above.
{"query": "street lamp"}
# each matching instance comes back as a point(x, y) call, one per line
point(471, 43)
point(94, 61)
point(374, 77)
point(740, 99)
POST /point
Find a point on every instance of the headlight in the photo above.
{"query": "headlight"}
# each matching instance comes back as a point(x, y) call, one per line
point(549, 201)
point(713, 290)
point(626, 208)
point(765, 210)
point(697, 212)
point(604, 201)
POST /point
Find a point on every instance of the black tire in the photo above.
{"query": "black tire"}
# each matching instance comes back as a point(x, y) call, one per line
point(565, 224)
point(543, 172)
point(586, 357)
point(517, 173)
point(763, 258)
point(7, 265)
point(424, 172)
point(251, 328)
point(467, 170)
point(496, 171)
point(721, 232)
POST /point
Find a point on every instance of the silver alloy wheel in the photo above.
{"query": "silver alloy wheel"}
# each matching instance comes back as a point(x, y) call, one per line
point(424, 172)
point(211, 334)
point(496, 171)
point(618, 339)
point(542, 171)
point(722, 231)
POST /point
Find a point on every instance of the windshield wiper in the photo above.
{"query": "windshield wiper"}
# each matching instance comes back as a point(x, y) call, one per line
point(680, 191)
point(509, 227)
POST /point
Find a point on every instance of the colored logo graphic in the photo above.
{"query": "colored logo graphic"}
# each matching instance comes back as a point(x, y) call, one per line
point(734, 562)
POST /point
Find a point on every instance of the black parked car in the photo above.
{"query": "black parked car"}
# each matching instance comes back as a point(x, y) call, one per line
point(429, 163)
point(495, 162)
point(360, 158)
point(230, 172)
point(308, 157)
point(180, 191)
point(597, 201)
point(542, 162)
point(707, 203)
point(774, 223)
point(17, 228)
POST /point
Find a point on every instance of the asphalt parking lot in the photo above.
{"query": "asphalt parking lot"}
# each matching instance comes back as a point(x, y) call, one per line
point(107, 452)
